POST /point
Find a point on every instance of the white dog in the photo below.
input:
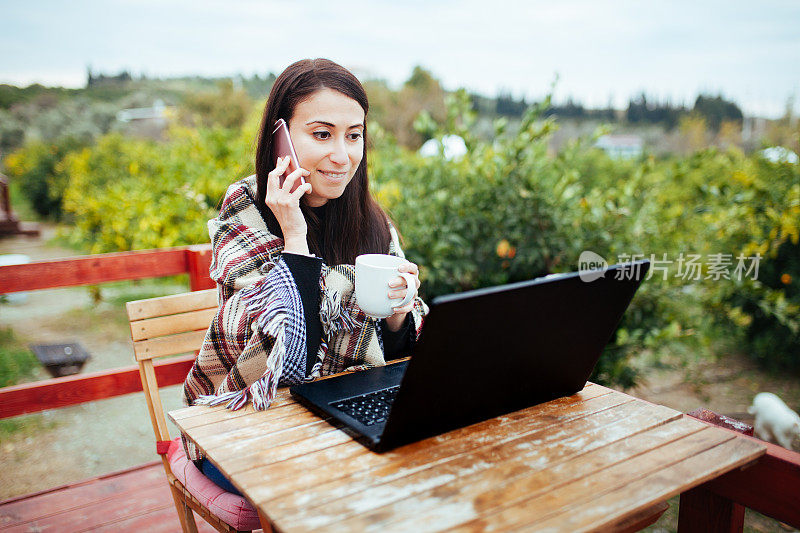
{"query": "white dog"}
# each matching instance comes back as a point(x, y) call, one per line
point(774, 420)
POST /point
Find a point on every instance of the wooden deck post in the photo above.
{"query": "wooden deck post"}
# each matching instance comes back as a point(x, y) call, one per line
point(701, 511)
point(198, 261)
point(770, 486)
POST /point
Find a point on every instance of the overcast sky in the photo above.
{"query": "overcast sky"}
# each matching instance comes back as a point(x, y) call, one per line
point(600, 50)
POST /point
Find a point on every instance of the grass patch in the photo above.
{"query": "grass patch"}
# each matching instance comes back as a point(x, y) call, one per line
point(20, 203)
point(16, 360)
point(24, 424)
point(16, 363)
point(105, 310)
point(120, 292)
point(115, 295)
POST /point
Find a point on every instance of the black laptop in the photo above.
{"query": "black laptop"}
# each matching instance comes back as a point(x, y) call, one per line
point(481, 354)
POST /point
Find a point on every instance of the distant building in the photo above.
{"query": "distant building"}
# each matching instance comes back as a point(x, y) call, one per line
point(157, 112)
point(621, 146)
point(146, 121)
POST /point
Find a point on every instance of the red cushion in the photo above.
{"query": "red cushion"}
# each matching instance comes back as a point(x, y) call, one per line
point(234, 510)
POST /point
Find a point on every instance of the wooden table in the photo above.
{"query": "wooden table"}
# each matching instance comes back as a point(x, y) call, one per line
point(590, 461)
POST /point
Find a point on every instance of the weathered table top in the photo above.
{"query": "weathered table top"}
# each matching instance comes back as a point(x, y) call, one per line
point(578, 463)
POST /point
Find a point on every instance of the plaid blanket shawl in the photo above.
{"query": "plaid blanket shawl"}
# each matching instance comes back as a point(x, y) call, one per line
point(257, 340)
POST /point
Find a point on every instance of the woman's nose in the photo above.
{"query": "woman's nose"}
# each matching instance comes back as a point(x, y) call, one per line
point(339, 153)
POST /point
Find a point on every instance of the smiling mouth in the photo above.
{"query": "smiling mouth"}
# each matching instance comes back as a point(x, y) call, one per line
point(333, 175)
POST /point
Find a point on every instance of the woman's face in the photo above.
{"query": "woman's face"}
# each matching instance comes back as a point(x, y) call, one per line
point(327, 130)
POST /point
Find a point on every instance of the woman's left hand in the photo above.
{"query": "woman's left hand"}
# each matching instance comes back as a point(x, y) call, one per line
point(398, 289)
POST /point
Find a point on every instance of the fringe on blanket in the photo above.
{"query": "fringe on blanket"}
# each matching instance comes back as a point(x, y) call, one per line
point(271, 319)
point(316, 370)
point(334, 317)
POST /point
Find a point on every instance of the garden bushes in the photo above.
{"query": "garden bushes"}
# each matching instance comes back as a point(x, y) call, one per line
point(508, 210)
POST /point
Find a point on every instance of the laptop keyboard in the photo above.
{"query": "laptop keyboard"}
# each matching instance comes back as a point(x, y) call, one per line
point(371, 408)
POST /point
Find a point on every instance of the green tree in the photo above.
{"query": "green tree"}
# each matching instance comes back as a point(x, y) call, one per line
point(421, 92)
point(716, 110)
point(36, 168)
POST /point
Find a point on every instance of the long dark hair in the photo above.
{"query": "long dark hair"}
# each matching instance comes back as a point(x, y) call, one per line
point(352, 224)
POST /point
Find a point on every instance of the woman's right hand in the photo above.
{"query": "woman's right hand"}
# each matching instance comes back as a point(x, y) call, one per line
point(285, 206)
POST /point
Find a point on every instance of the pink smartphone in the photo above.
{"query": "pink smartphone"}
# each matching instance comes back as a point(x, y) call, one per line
point(283, 147)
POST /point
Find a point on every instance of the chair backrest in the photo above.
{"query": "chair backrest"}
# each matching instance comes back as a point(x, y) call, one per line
point(163, 327)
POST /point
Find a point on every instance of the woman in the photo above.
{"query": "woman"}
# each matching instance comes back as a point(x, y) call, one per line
point(283, 260)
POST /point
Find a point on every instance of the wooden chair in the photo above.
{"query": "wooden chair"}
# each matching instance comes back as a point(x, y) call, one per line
point(162, 327)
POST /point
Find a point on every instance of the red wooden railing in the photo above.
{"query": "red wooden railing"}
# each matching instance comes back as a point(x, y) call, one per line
point(102, 268)
point(92, 270)
point(70, 390)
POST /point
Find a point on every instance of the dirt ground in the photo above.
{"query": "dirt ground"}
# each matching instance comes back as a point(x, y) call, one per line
point(66, 445)
point(726, 386)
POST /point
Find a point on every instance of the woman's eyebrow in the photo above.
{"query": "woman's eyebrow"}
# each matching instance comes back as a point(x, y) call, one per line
point(359, 125)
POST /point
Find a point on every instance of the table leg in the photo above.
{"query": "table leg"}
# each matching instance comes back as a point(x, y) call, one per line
point(701, 510)
point(266, 525)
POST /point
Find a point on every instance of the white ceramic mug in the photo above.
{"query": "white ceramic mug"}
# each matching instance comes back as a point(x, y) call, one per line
point(373, 274)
